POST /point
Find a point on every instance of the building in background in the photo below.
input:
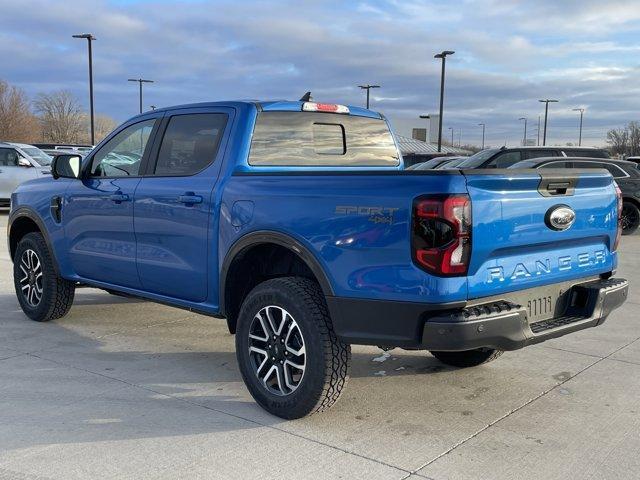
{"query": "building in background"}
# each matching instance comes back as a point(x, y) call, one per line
point(416, 151)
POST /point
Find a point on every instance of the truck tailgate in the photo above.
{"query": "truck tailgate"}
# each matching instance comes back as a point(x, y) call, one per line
point(515, 245)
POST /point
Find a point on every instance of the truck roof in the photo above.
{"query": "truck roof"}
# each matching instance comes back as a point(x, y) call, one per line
point(270, 106)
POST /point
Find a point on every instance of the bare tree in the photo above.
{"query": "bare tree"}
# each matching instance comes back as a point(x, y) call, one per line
point(61, 117)
point(104, 126)
point(634, 138)
point(618, 138)
point(17, 122)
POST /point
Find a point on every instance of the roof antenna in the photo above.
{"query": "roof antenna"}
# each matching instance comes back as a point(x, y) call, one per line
point(306, 97)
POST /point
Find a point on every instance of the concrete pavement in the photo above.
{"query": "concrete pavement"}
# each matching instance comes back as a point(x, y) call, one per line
point(129, 389)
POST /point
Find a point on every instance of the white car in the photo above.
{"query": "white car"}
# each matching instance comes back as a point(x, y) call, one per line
point(20, 162)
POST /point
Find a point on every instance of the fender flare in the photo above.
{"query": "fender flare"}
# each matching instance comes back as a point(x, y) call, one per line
point(284, 240)
point(29, 213)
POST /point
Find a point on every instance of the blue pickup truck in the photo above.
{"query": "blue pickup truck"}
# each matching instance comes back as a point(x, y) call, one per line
point(296, 222)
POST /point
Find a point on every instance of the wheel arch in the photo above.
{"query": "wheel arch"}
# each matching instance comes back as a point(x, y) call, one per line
point(301, 260)
point(24, 221)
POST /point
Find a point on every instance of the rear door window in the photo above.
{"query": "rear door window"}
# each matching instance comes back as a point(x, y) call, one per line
point(321, 139)
point(541, 153)
point(190, 143)
point(587, 152)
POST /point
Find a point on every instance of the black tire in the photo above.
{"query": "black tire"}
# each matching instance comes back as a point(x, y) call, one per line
point(468, 358)
point(55, 293)
point(326, 359)
point(630, 218)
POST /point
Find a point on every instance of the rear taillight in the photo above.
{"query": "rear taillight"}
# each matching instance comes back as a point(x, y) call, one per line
point(619, 230)
point(441, 234)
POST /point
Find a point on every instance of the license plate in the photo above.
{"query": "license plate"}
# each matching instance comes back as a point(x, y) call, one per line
point(542, 307)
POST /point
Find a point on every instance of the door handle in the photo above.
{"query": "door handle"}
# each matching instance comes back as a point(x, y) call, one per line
point(119, 197)
point(190, 199)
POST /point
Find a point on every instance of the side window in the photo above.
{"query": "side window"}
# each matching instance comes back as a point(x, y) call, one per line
point(121, 156)
point(555, 165)
point(541, 153)
point(506, 159)
point(190, 143)
point(8, 157)
point(614, 170)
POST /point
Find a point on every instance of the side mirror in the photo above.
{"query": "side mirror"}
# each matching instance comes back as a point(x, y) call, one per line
point(66, 166)
point(23, 162)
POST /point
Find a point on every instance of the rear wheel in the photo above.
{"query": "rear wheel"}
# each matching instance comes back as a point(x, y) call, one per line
point(289, 356)
point(468, 358)
point(630, 218)
point(42, 293)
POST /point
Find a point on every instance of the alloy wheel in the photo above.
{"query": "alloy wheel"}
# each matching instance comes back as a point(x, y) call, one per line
point(277, 350)
point(31, 282)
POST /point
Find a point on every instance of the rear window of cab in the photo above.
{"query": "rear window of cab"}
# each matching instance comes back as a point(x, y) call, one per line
point(321, 139)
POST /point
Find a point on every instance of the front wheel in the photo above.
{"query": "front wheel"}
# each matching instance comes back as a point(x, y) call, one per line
point(468, 358)
point(42, 293)
point(289, 356)
point(630, 218)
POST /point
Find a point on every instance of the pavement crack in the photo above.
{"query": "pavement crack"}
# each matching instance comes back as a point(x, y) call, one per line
point(525, 404)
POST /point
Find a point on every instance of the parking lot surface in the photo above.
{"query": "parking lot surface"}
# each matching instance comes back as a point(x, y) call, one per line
point(122, 388)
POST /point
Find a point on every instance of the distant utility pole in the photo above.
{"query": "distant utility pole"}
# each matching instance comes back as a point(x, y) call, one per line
point(538, 131)
point(442, 55)
point(451, 128)
point(459, 138)
point(524, 137)
point(89, 37)
point(546, 113)
point(581, 110)
point(140, 82)
point(368, 87)
point(482, 125)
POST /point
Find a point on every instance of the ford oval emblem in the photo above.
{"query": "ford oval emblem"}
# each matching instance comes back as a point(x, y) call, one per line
point(560, 217)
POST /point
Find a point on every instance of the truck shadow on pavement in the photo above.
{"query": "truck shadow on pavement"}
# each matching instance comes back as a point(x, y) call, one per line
point(105, 372)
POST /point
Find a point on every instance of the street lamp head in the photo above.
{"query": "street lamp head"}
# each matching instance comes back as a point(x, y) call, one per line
point(522, 118)
point(444, 53)
point(425, 116)
point(546, 100)
point(578, 110)
point(481, 124)
point(368, 86)
point(88, 36)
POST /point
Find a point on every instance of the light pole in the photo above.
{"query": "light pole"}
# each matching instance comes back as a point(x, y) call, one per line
point(524, 138)
point(427, 132)
point(90, 38)
point(451, 128)
point(581, 110)
point(459, 138)
point(538, 143)
point(368, 87)
point(140, 82)
point(482, 125)
point(442, 55)
point(546, 113)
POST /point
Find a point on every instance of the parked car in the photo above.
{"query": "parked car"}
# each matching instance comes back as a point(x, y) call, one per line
point(72, 148)
point(626, 175)
point(18, 163)
point(432, 164)
point(635, 160)
point(504, 157)
point(451, 163)
point(296, 222)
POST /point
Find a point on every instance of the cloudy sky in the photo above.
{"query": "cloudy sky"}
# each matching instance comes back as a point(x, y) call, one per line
point(509, 53)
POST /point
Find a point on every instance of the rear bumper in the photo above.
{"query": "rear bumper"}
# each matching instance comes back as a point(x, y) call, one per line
point(455, 327)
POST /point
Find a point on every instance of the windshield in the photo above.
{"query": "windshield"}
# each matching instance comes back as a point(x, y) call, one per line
point(474, 161)
point(38, 155)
